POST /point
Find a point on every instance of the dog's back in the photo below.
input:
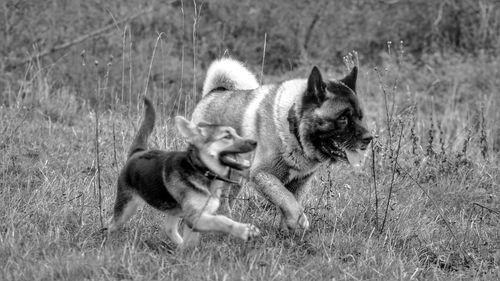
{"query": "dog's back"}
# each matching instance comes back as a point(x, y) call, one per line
point(142, 176)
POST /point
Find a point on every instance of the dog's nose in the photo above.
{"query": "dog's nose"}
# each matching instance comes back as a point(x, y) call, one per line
point(366, 139)
point(252, 143)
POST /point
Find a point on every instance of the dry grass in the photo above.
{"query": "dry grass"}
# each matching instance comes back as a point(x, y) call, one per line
point(442, 218)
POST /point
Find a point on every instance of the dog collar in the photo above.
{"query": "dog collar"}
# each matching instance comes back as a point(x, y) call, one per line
point(196, 163)
point(211, 176)
point(293, 125)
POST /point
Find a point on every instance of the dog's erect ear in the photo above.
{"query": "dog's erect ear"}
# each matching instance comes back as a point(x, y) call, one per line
point(187, 128)
point(315, 88)
point(350, 79)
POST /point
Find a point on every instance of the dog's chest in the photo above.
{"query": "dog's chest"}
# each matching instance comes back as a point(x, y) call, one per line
point(212, 205)
point(285, 170)
point(294, 174)
point(211, 200)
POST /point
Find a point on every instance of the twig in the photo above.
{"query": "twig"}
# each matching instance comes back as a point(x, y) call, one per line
point(392, 178)
point(124, 36)
point(375, 185)
point(130, 70)
point(195, 21)
point(386, 105)
point(49, 50)
point(151, 65)
point(97, 149)
point(76, 197)
point(196, 17)
point(263, 58)
point(115, 159)
point(177, 102)
point(487, 208)
point(309, 32)
point(323, 192)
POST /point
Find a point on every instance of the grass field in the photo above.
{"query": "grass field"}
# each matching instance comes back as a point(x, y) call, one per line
point(426, 205)
point(432, 215)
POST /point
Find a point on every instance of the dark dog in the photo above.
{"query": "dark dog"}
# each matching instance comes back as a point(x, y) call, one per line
point(183, 183)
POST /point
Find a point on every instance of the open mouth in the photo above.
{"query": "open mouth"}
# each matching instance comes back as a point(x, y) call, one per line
point(233, 160)
point(355, 157)
point(333, 151)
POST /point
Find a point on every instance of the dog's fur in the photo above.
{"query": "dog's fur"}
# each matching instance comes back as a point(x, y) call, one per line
point(299, 124)
point(182, 183)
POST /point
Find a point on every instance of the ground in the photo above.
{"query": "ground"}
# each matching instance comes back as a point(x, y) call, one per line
point(433, 213)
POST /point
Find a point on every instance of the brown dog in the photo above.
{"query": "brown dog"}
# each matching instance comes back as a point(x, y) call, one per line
point(183, 183)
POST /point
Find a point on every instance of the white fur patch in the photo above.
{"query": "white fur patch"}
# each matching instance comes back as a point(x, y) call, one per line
point(285, 98)
point(288, 94)
point(201, 109)
point(230, 74)
point(250, 115)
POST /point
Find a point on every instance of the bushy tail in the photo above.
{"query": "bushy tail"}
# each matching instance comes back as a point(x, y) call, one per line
point(140, 142)
point(228, 74)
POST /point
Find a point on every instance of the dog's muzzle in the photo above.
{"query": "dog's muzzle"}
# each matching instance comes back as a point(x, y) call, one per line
point(231, 157)
point(354, 154)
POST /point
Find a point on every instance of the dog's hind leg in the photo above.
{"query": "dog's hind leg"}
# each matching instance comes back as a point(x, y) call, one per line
point(125, 206)
point(171, 227)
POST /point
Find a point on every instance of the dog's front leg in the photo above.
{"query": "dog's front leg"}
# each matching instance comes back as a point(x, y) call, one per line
point(208, 222)
point(272, 188)
point(191, 237)
point(300, 187)
point(171, 226)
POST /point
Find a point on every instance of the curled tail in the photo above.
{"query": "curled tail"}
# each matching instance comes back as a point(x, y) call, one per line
point(140, 142)
point(228, 74)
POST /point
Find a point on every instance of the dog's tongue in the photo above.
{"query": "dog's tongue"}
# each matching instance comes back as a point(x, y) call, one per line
point(356, 158)
point(232, 161)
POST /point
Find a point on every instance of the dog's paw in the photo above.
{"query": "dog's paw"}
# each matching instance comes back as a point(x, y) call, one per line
point(250, 231)
point(303, 222)
point(292, 223)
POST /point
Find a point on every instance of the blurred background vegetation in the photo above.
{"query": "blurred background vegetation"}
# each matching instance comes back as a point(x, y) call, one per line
point(445, 50)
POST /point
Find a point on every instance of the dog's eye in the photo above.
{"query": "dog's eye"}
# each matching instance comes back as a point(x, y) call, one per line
point(342, 120)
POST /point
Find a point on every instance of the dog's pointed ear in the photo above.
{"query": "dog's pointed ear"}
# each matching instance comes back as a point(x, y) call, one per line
point(315, 88)
point(350, 79)
point(187, 128)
